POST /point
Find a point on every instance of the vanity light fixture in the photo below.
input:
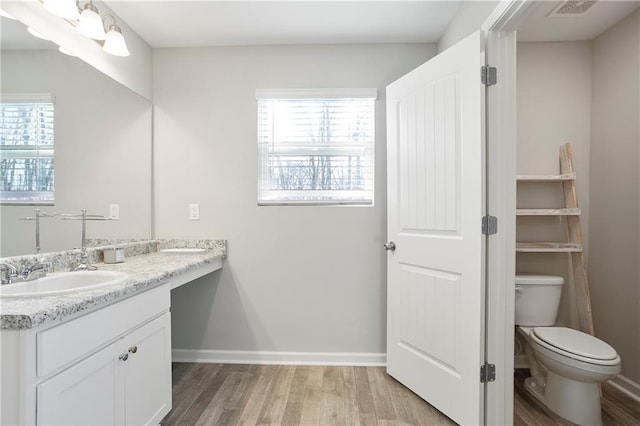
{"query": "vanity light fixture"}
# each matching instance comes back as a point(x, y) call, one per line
point(114, 43)
point(67, 9)
point(90, 24)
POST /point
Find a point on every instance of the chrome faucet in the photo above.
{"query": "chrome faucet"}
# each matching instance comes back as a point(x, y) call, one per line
point(37, 217)
point(84, 217)
point(37, 270)
point(9, 273)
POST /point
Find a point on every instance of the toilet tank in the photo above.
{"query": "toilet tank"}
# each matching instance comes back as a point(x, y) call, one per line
point(537, 299)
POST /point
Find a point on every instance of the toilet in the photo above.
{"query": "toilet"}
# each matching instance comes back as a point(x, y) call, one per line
point(567, 366)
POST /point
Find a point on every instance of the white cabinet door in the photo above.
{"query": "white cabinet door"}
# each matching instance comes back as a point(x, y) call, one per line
point(148, 372)
point(128, 382)
point(89, 393)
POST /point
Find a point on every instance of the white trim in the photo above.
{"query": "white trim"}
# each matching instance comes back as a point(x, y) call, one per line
point(370, 93)
point(626, 386)
point(501, 121)
point(280, 358)
point(27, 98)
point(501, 168)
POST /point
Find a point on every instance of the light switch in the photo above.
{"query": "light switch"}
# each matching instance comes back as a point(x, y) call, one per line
point(194, 211)
point(114, 211)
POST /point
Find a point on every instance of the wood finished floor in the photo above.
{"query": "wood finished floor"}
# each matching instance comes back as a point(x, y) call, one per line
point(227, 394)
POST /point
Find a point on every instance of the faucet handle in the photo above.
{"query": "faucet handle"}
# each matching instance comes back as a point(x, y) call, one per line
point(47, 266)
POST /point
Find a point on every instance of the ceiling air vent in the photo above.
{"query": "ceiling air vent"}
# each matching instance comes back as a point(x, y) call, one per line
point(572, 7)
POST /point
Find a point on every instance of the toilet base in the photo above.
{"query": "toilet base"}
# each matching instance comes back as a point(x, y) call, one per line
point(575, 401)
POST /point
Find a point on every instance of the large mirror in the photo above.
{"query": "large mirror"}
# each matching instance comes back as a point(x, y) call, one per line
point(102, 147)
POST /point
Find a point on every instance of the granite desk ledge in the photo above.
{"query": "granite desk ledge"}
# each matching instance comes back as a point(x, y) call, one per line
point(145, 271)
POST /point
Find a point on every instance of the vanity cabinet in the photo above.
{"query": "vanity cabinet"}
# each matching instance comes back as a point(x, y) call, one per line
point(108, 366)
point(124, 383)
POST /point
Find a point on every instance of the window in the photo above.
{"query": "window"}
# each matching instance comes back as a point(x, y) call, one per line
point(316, 146)
point(26, 148)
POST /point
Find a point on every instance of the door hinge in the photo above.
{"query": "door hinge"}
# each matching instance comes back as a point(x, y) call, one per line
point(489, 225)
point(489, 75)
point(487, 373)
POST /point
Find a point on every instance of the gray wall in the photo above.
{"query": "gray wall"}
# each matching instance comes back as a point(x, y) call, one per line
point(614, 222)
point(588, 93)
point(554, 107)
point(307, 279)
point(102, 152)
point(468, 19)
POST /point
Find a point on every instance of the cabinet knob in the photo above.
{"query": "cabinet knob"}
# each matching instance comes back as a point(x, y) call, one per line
point(133, 349)
point(123, 357)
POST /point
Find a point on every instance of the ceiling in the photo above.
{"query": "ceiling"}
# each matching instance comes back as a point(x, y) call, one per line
point(215, 23)
point(587, 26)
point(189, 23)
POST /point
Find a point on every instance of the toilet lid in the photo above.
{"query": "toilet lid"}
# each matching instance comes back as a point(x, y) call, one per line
point(576, 342)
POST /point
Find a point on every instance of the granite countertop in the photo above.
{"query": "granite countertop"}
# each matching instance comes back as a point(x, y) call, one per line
point(147, 267)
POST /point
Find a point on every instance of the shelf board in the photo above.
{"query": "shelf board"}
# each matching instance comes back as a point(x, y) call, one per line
point(539, 247)
point(547, 212)
point(546, 178)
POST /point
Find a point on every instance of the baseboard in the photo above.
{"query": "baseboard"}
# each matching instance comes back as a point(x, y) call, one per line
point(282, 358)
point(627, 386)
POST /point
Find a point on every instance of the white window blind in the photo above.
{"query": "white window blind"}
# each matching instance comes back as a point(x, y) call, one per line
point(26, 148)
point(316, 146)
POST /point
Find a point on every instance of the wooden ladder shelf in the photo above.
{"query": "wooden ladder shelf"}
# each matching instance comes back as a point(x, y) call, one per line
point(573, 246)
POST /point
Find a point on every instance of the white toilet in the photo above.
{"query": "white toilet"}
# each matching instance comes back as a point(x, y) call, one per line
point(566, 365)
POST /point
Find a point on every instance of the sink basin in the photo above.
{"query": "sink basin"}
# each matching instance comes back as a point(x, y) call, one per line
point(63, 282)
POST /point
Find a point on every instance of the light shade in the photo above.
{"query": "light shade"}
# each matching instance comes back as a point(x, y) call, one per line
point(90, 24)
point(36, 34)
point(63, 8)
point(7, 15)
point(114, 43)
point(65, 51)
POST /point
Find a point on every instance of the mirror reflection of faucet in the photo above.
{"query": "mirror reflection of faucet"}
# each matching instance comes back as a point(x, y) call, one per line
point(84, 265)
point(38, 214)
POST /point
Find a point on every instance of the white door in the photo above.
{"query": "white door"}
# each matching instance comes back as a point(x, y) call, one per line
point(435, 308)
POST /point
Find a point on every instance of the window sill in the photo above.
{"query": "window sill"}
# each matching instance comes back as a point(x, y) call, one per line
point(315, 203)
point(26, 203)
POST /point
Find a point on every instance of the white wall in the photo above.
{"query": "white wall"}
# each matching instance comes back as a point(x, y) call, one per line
point(553, 107)
point(102, 152)
point(308, 279)
point(615, 209)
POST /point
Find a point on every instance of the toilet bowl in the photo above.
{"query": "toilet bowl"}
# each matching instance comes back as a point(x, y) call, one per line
point(566, 365)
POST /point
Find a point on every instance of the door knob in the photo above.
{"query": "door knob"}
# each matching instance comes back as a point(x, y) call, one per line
point(390, 246)
point(123, 357)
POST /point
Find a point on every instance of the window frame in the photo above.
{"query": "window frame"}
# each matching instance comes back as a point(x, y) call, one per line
point(29, 198)
point(307, 197)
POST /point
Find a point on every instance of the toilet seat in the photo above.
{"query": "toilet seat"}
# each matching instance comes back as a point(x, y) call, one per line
point(575, 344)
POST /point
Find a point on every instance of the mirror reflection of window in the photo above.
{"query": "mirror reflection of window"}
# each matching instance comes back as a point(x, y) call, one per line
point(27, 148)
